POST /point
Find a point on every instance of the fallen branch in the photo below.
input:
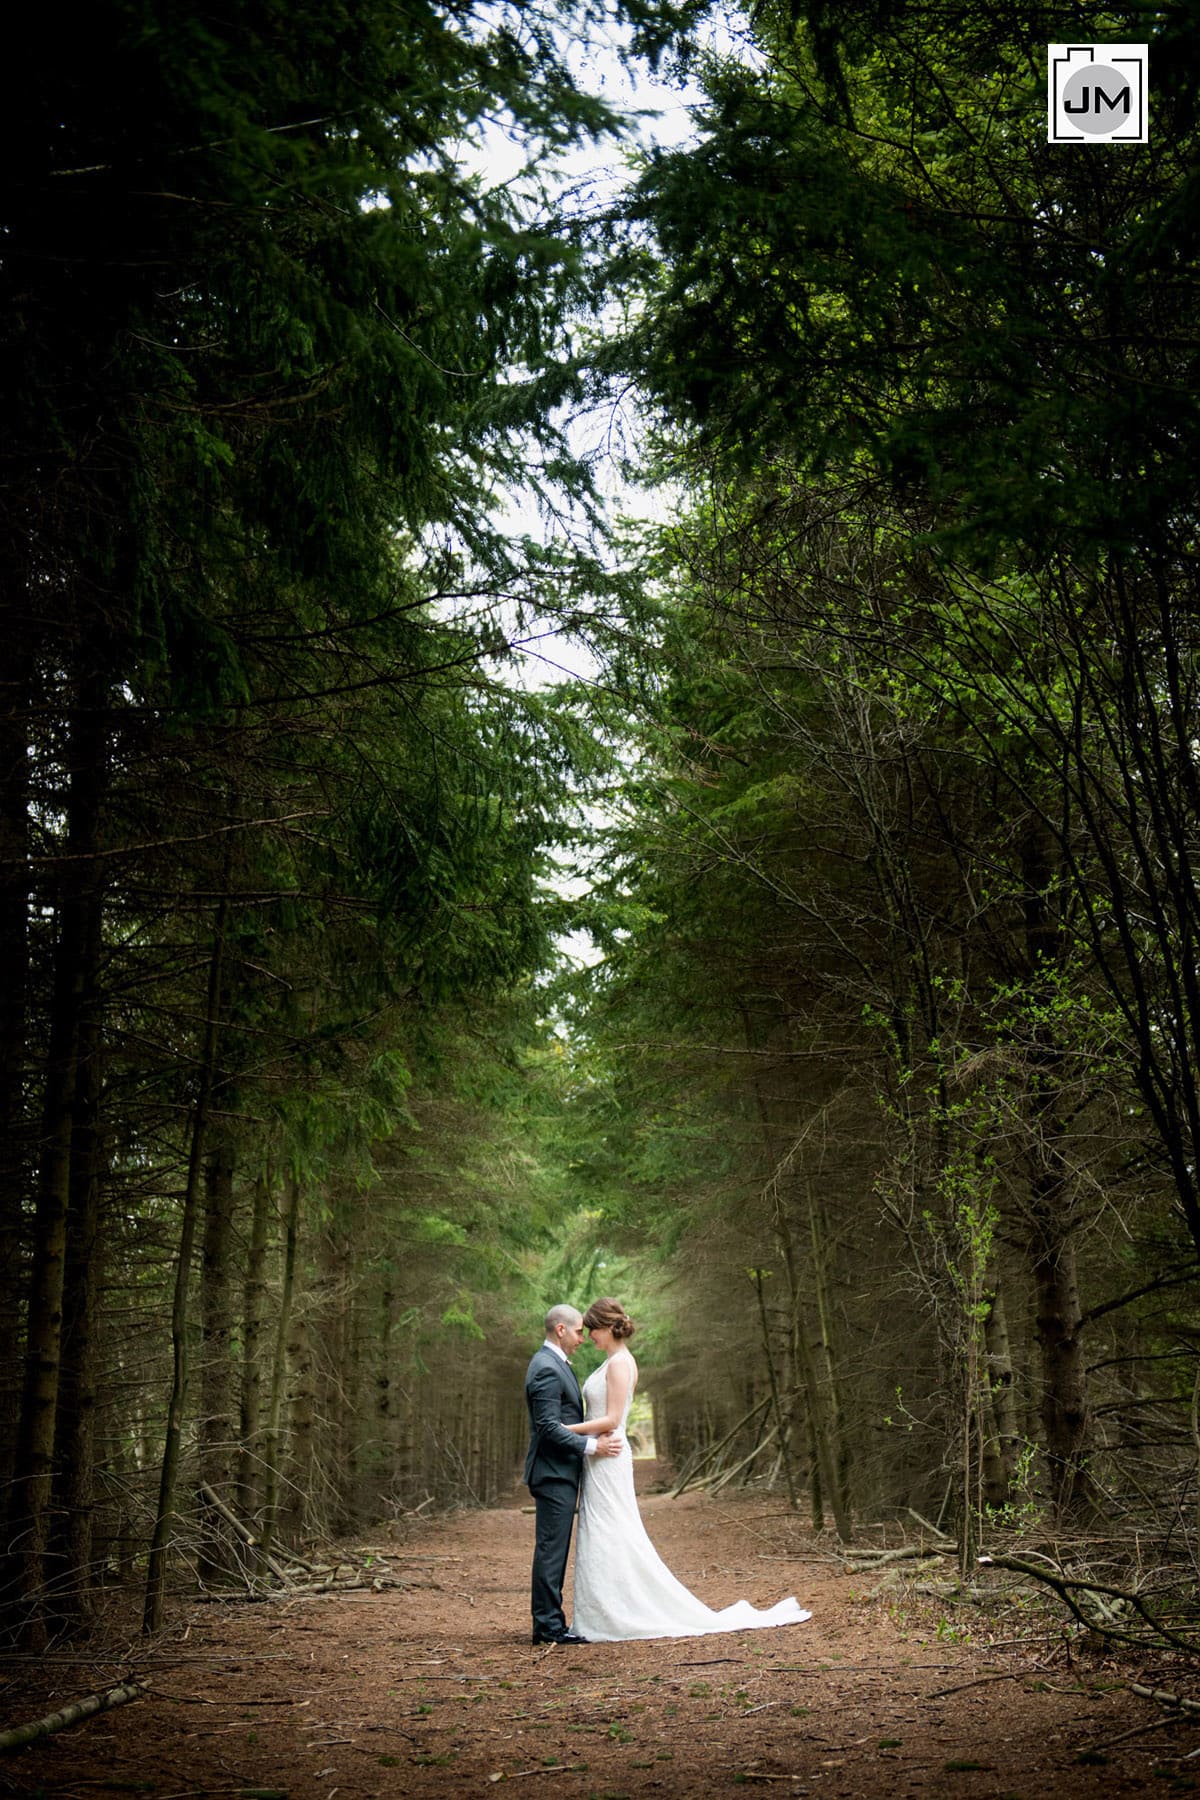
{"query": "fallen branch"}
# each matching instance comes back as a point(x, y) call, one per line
point(692, 1474)
point(19, 1735)
point(213, 1499)
point(259, 1598)
point(1075, 1590)
point(546, 1769)
point(752, 1775)
point(871, 1668)
point(892, 1578)
point(950, 1590)
point(1155, 1724)
point(867, 1559)
point(936, 1530)
point(715, 1483)
point(979, 1681)
point(1163, 1698)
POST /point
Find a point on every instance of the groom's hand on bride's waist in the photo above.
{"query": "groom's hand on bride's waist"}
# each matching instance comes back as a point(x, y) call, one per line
point(609, 1443)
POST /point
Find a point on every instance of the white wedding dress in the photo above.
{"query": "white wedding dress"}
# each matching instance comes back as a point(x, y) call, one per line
point(623, 1589)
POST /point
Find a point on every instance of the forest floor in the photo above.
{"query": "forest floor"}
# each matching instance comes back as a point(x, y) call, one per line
point(433, 1688)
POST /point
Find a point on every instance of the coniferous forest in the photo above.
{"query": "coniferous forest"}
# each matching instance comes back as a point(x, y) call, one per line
point(562, 739)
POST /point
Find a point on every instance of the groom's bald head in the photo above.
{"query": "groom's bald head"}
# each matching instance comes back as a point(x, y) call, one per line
point(564, 1327)
point(562, 1315)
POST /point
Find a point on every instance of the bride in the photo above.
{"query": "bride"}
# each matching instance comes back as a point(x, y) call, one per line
point(623, 1589)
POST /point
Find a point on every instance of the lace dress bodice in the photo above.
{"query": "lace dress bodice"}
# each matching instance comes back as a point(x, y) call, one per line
point(623, 1589)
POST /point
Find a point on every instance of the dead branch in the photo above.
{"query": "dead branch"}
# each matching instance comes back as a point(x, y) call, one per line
point(1155, 1724)
point(867, 1560)
point(936, 1530)
point(1163, 1698)
point(892, 1578)
point(212, 1498)
point(980, 1681)
point(1076, 1592)
point(17, 1736)
point(547, 1769)
point(715, 1484)
point(753, 1775)
point(693, 1474)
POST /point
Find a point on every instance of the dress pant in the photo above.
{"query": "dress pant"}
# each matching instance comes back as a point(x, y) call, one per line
point(554, 1503)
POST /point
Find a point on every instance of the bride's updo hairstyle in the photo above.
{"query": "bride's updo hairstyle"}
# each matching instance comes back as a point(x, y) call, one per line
point(610, 1315)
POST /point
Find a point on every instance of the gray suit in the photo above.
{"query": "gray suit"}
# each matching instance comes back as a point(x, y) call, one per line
point(552, 1471)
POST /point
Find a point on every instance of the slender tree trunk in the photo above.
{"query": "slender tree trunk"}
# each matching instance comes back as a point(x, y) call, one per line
point(299, 1505)
point(333, 1378)
point(80, 892)
point(75, 1423)
point(16, 1136)
point(156, 1573)
point(824, 1452)
point(825, 1352)
point(216, 1332)
point(350, 1423)
point(814, 1372)
point(1064, 1377)
point(1005, 1439)
point(816, 1493)
point(974, 1397)
point(829, 1446)
point(385, 1396)
point(776, 1399)
point(274, 1445)
point(406, 1446)
point(1064, 1407)
point(254, 1311)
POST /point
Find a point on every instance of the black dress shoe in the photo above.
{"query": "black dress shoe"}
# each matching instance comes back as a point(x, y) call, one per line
point(558, 1637)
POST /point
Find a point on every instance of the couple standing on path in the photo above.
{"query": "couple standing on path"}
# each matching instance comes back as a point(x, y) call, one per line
point(623, 1589)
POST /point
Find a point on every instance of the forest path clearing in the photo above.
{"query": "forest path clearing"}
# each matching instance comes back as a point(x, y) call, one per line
point(434, 1690)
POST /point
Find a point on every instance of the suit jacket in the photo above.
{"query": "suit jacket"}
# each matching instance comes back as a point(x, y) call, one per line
point(554, 1401)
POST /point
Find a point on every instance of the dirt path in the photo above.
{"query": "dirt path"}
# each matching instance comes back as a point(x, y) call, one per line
point(435, 1690)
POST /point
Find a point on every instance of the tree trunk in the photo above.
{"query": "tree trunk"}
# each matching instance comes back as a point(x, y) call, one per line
point(216, 1332)
point(274, 1446)
point(776, 1400)
point(333, 1379)
point(298, 1507)
point(254, 1311)
point(821, 1427)
point(820, 1395)
point(386, 1423)
point(1064, 1410)
point(1004, 1445)
point(16, 1136)
point(156, 1573)
point(75, 1423)
point(80, 895)
point(825, 1352)
point(350, 1419)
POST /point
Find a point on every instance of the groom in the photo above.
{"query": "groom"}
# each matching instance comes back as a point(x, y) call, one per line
point(554, 1465)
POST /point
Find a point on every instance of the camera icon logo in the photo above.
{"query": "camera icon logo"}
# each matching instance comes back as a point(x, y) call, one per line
point(1096, 94)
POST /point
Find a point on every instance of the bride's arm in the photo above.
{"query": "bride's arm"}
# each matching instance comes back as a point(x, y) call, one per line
point(617, 1378)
